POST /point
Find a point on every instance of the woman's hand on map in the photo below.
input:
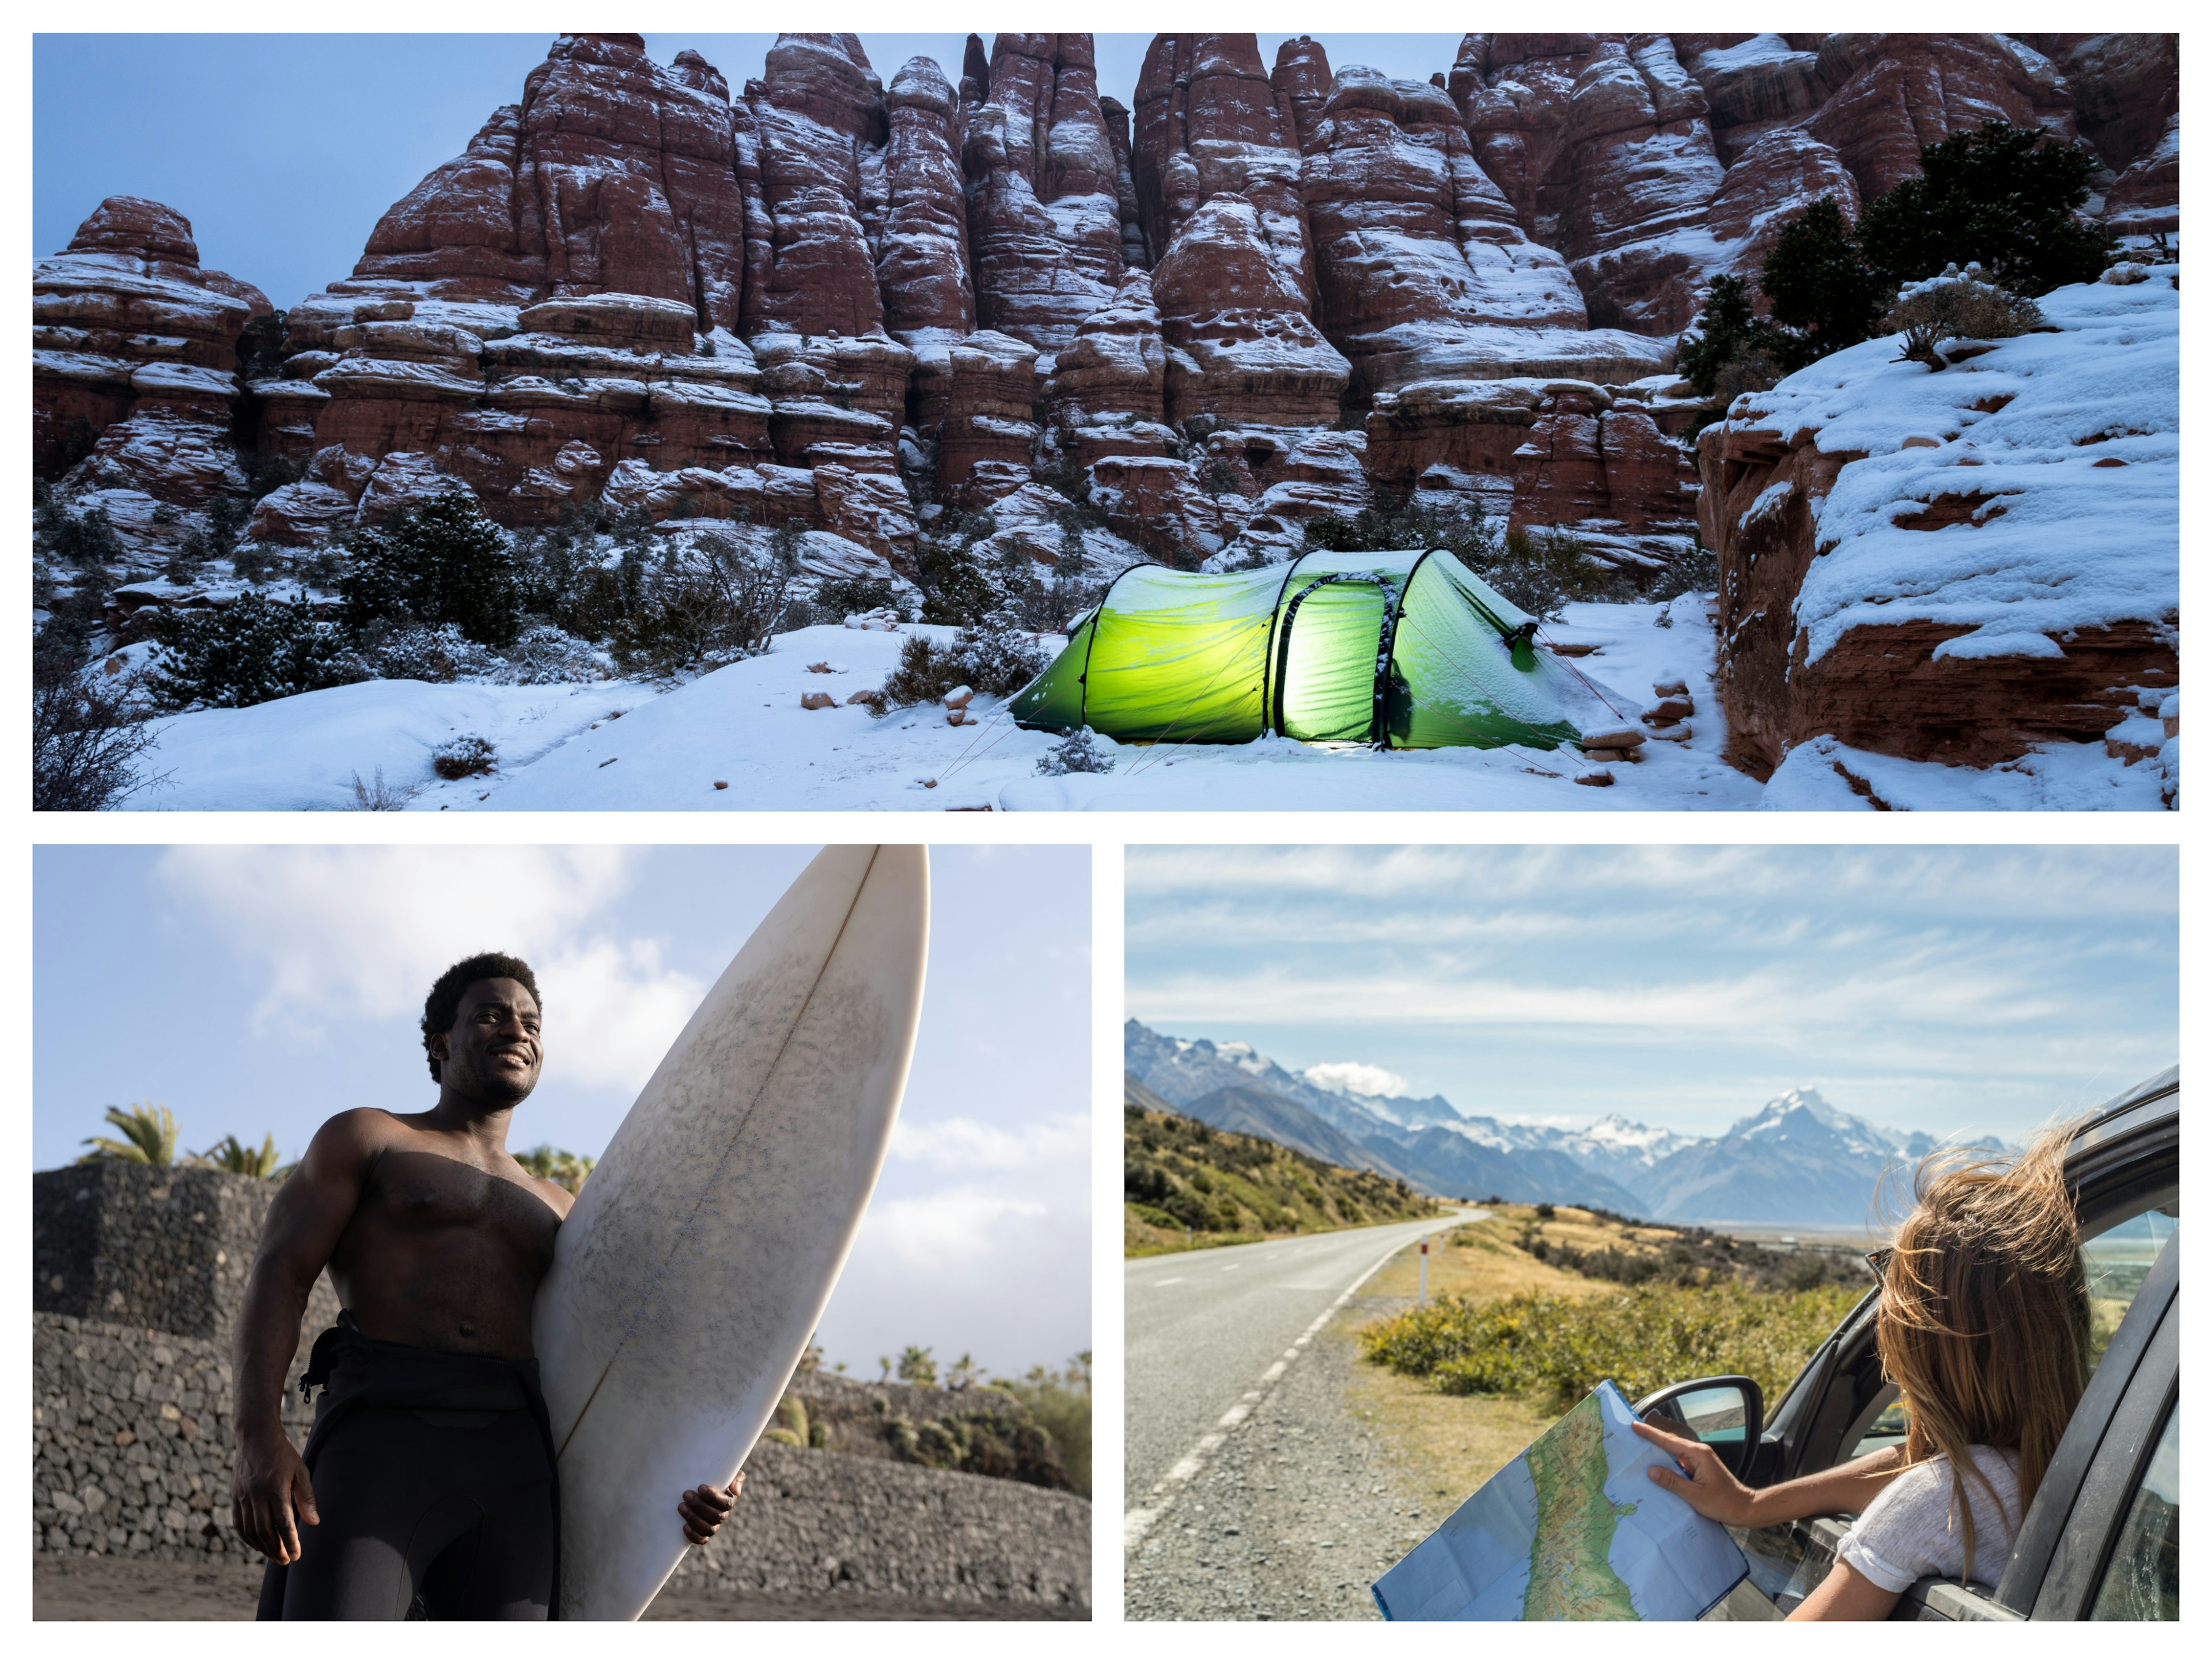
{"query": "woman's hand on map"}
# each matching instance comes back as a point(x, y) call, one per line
point(1709, 1488)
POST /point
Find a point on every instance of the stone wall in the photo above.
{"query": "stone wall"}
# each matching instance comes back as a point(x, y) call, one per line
point(835, 1524)
point(130, 1422)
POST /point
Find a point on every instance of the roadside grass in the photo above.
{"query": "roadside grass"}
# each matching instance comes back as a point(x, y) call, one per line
point(1553, 1349)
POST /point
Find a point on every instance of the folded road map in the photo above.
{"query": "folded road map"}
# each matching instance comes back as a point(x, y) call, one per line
point(1572, 1530)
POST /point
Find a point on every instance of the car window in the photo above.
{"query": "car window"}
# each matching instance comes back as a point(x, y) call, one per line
point(2143, 1579)
point(2115, 1261)
point(2118, 1258)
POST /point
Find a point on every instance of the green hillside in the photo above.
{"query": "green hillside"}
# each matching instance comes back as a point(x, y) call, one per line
point(1180, 1175)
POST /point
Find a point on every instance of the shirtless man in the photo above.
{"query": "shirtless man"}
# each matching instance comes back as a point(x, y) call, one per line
point(428, 1486)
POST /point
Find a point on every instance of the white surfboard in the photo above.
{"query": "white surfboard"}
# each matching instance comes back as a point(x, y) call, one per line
point(697, 1261)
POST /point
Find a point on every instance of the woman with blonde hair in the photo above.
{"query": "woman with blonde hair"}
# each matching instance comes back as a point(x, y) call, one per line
point(1983, 1327)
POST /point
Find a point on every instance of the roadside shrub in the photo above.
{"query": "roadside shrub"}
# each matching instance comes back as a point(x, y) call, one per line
point(443, 561)
point(85, 745)
point(255, 650)
point(835, 599)
point(546, 655)
point(1555, 1350)
point(1059, 1402)
point(1928, 314)
point(463, 757)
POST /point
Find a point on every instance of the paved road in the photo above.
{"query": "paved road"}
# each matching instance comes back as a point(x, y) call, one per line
point(1203, 1329)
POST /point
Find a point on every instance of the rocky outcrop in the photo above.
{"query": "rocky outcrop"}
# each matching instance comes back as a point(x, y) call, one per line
point(612, 175)
point(1107, 394)
point(976, 399)
point(800, 133)
point(1208, 123)
point(1886, 95)
point(921, 261)
point(1632, 175)
point(135, 358)
point(1241, 347)
point(1044, 212)
point(2145, 200)
point(1955, 566)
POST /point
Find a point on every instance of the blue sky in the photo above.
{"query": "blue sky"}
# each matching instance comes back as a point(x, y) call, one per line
point(258, 990)
point(1974, 989)
point(284, 149)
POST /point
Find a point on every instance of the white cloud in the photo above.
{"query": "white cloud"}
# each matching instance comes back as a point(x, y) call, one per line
point(963, 1143)
point(951, 1229)
point(348, 932)
point(1358, 1079)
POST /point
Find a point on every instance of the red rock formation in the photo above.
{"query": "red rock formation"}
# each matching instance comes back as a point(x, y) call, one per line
point(1888, 95)
point(1425, 273)
point(1601, 466)
point(922, 264)
point(2145, 200)
point(1241, 348)
point(1514, 91)
point(1970, 640)
point(800, 133)
point(1754, 83)
point(1631, 175)
point(2126, 89)
point(1300, 81)
point(1045, 215)
point(1108, 394)
point(134, 356)
point(1207, 123)
point(612, 174)
point(977, 400)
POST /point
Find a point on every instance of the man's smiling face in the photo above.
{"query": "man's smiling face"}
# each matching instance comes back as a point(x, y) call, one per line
point(493, 1052)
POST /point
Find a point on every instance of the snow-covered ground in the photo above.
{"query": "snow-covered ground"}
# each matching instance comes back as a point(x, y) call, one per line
point(626, 745)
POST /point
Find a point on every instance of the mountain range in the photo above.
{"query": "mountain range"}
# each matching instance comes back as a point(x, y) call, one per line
point(1797, 1159)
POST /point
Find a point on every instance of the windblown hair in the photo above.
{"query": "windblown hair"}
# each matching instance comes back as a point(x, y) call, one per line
point(444, 1004)
point(1984, 1318)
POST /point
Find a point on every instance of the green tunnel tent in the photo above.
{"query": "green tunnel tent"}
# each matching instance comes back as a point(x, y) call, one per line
point(1402, 648)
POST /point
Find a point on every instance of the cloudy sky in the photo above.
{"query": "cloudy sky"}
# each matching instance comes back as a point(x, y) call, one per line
point(260, 990)
point(284, 149)
point(1976, 989)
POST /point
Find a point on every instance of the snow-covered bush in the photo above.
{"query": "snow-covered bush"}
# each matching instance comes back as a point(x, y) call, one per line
point(701, 604)
point(546, 655)
point(85, 740)
point(990, 656)
point(1955, 305)
point(427, 654)
point(463, 757)
point(255, 650)
point(1076, 756)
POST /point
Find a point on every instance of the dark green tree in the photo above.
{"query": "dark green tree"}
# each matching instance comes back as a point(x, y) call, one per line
point(1728, 331)
point(1822, 294)
point(442, 560)
point(255, 650)
point(2003, 197)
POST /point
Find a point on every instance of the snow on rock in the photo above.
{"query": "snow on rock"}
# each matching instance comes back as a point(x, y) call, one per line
point(1958, 566)
point(134, 356)
point(613, 175)
point(922, 264)
point(1208, 123)
point(1044, 211)
point(1241, 345)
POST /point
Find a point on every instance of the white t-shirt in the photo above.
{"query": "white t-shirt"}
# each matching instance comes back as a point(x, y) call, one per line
point(1911, 1530)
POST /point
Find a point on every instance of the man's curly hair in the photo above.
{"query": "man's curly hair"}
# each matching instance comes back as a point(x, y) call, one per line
point(444, 1005)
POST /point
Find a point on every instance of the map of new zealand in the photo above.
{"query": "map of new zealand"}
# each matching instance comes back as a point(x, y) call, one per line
point(1571, 1529)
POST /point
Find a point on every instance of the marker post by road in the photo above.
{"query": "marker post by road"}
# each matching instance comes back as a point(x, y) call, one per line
point(1424, 1273)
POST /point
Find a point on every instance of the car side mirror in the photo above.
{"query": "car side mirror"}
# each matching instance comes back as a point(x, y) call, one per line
point(1726, 1414)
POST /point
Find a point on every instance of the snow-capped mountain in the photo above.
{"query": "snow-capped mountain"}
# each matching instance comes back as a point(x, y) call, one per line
point(1797, 1159)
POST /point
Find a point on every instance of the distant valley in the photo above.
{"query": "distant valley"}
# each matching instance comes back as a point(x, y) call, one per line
point(1796, 1160)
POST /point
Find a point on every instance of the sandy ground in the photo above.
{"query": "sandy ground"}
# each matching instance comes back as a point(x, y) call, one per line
point(134, 1588)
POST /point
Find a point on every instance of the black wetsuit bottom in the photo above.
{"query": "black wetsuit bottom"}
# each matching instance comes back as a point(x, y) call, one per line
point(434, 1475)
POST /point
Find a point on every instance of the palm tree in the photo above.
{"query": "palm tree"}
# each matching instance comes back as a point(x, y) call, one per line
point(150, 1137)
point(231, 1155)
point(557, 1166)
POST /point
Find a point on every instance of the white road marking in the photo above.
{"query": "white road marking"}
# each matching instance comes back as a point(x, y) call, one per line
point(1140, 1522)
point(1172, 1280)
